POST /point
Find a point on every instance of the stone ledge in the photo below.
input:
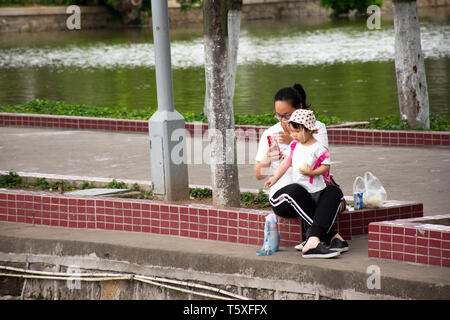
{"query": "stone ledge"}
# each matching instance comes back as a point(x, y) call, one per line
point(47, 10)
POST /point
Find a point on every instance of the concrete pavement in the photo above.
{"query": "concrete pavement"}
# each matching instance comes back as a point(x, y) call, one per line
point(419, 174)
point(416, 174)
point(283, 275)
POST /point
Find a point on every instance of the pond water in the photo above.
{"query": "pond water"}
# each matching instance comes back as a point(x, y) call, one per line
point(347, 70)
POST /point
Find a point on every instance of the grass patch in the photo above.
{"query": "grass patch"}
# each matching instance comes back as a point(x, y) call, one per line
point(394, 122)
point(38, 106)
point(12, 180)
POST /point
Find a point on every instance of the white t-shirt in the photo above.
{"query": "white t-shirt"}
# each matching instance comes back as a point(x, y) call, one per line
point(263, 147)
point(309, 155)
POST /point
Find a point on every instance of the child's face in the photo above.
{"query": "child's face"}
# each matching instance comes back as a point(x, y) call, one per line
point(297, 134)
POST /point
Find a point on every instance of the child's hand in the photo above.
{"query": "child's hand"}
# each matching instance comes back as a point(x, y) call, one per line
point(306, 170)
point(269, 183)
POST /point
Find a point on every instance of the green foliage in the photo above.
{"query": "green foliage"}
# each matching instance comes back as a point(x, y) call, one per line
point(149, 195)
point(37, 106)
point(344, 6)
point(200, 193)
point(85, 185)
point(189, 4)
point(248, 199)
point(43, 184)
point(12, 180)
point(135, 187)
point(114, 184)
point(394, 122)
point(193, 116)
point(60, 108)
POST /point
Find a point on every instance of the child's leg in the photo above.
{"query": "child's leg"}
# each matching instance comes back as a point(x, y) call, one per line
point(294, 201)
point(326, 212)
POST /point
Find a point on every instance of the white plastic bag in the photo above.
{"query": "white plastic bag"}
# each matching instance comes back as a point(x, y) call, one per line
point(374, 194)
point(368, 192)
point(359, 190)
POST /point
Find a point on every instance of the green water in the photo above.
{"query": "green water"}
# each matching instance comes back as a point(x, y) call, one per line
point(348, 88)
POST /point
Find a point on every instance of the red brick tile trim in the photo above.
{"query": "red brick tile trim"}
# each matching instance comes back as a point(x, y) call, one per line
point(423, 240)
point(336, 135)
point(70, 122)
point(388, 137)
point(236, 225)
point(354, 223)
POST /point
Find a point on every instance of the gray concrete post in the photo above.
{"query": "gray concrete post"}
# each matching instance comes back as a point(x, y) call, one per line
point(166, 126)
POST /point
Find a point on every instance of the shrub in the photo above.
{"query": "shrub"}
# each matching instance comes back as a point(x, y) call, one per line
point(345, 6)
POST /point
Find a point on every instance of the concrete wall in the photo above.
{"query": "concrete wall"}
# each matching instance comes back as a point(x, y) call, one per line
point(275, 9)
point(36, 19)
point(252, 10)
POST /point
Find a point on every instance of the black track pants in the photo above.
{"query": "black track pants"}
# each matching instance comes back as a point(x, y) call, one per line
point(294, 201)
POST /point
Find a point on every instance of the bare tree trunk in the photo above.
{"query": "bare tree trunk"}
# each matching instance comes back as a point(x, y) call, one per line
point(409, 65)
point(220, 70)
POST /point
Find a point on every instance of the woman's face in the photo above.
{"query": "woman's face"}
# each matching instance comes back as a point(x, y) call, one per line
point(283, 111)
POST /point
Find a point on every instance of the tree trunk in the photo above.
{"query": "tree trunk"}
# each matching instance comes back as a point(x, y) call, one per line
point(409, 65)
point(220, 25)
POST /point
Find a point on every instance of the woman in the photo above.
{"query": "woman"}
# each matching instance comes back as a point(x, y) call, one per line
point(288, 199)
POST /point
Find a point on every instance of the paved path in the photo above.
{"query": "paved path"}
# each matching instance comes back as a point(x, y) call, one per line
point(408, 173)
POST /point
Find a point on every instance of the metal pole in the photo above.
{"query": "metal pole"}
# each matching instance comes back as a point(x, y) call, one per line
point(166, 127)
point(163, 64)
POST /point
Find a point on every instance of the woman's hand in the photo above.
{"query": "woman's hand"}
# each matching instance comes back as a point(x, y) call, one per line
point(283, 137)
point(273, 154)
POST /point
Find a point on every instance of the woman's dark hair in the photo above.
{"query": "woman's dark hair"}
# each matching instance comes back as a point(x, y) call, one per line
point(294, 95)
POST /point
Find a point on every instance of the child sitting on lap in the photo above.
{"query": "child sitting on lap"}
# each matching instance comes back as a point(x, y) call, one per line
point(308, 172)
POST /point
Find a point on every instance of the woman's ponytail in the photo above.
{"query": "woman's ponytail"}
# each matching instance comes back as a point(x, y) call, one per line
point(298, 87)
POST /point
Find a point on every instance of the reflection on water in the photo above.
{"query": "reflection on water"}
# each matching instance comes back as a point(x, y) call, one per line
point(346, 69)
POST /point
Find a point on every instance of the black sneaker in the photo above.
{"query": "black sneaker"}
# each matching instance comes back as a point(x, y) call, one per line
point(320, 252)
point(338, 245)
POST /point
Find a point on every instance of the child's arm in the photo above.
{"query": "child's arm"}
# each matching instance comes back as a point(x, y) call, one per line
point(281, 170)
point(319, 170)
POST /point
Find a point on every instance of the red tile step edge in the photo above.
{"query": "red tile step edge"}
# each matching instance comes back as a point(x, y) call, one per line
point(237, 225)
point(415, 240)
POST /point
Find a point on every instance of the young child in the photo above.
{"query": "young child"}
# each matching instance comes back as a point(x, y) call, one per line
point(306, 152)
point(304, 156)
